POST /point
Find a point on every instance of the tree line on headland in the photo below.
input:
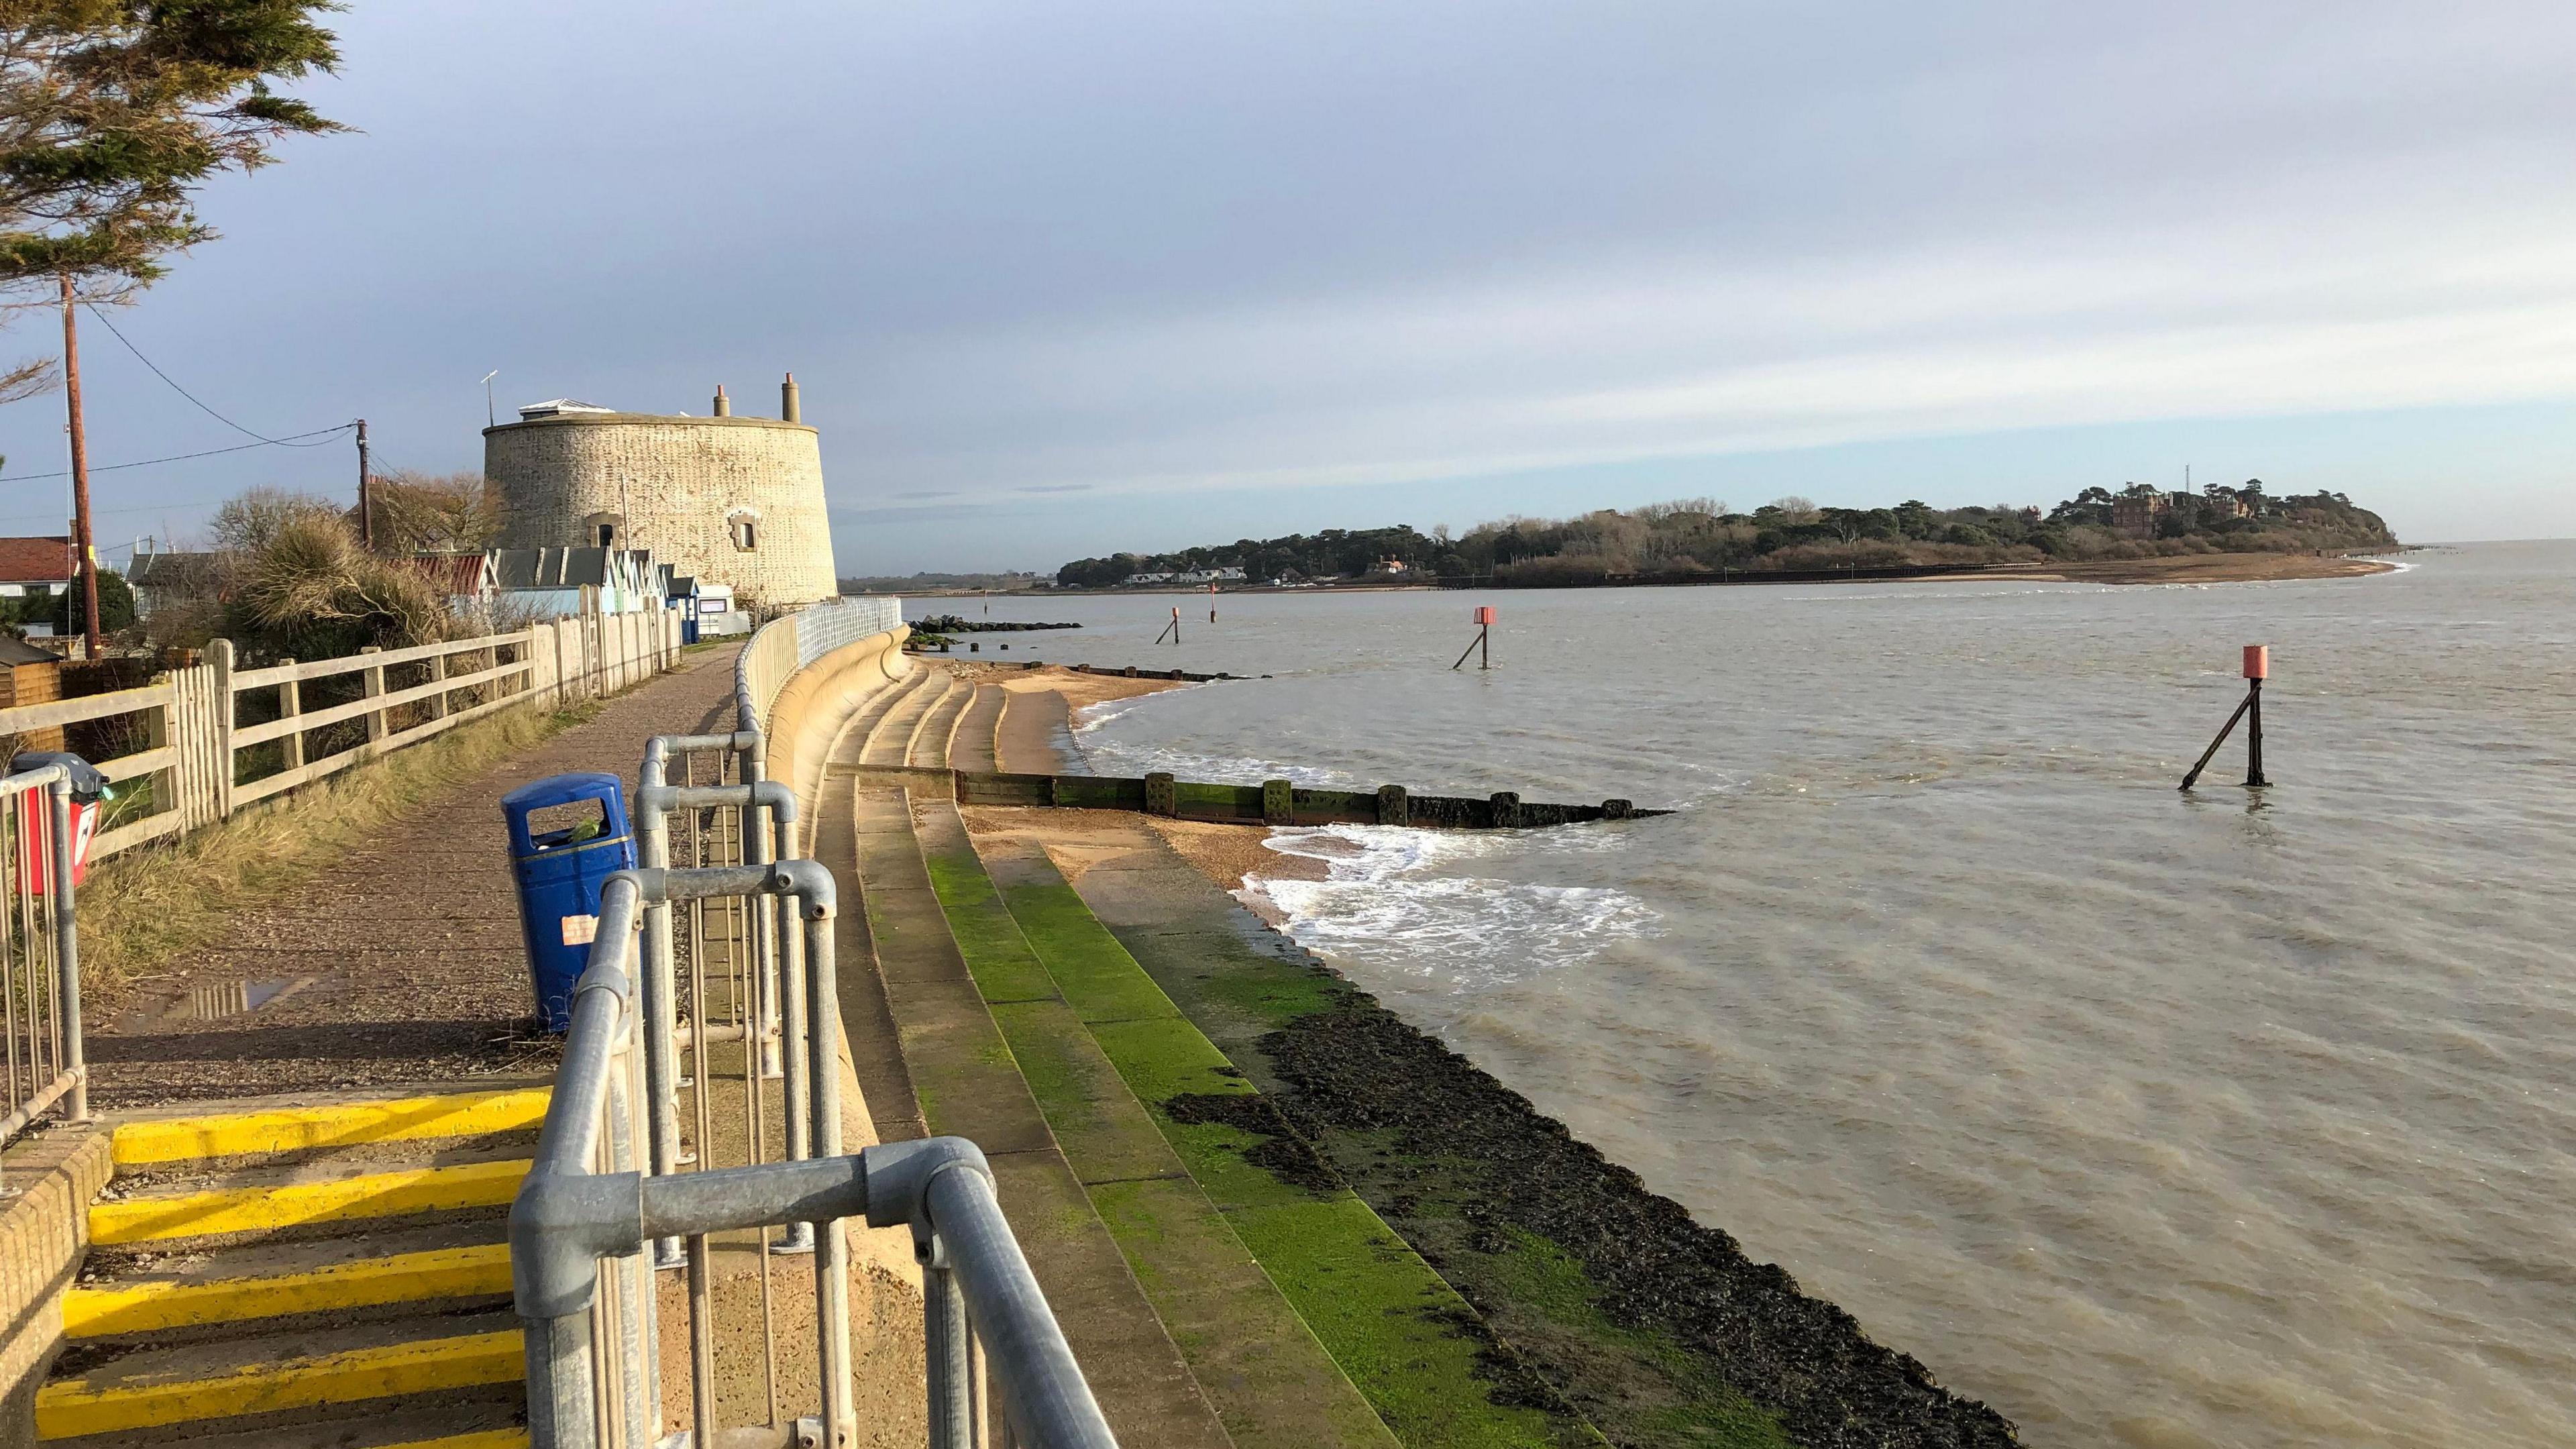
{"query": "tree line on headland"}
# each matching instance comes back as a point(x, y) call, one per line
point(1703, 535)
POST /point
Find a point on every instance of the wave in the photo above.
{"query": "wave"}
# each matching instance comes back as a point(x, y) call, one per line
point(1394, 901)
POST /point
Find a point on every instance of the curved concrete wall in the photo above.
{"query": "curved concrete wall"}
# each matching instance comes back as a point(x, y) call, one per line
point(817, 700)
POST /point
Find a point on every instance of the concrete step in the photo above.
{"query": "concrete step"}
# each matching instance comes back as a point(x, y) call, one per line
point(891, 735)
point(272, 1378)
point(969, 1085)
point(151, 1141)
point(850, 745)
point(1255, 1359)
point(933, 738)
point(303, 1197)
point(971, 745)
point(376, 1274)
point(1387, 1318)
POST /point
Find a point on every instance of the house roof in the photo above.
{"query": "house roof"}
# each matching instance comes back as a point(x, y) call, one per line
point(565, 568)
point(450, 573)
point(18, 651)
point(36, 560)
point(172, 569)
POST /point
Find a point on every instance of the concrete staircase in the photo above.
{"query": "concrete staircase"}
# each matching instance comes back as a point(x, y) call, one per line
point(329, 1276)
point(1211, 1299)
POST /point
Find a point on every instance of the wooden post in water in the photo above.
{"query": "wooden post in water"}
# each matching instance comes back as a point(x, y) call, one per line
point(1483, 646)
point(2258, 665)
point(1173, 629)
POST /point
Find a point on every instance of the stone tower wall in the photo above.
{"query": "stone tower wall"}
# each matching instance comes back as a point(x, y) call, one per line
point(677, 484)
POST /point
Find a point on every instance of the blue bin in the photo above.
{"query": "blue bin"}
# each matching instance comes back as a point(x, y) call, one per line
point(568, 833)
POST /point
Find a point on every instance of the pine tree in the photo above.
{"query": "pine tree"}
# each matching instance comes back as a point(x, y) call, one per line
point(112, 113)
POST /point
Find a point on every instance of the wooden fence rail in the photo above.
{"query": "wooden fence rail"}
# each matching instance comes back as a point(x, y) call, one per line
point(187, 733)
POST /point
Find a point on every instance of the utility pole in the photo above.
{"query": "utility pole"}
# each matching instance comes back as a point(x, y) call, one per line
point(86, 554)
point(366, 496)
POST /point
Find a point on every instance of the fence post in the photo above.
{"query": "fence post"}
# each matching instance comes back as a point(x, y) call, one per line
point(373, 678)
point(218, 750)
point(290, 703)
point(438, 674)
point(555, 628)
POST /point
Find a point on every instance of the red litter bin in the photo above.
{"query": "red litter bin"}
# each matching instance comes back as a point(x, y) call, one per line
point(35, 836)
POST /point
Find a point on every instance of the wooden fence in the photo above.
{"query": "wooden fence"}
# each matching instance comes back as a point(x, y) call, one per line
point(199, 743)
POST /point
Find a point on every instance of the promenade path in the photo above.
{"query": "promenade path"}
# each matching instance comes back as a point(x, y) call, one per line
point(400, 963)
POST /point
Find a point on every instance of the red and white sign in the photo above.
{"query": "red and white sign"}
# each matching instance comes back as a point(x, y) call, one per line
point(36, 840)
point(1484, 613)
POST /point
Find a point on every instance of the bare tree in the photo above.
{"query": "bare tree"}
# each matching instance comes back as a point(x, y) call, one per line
point(248, 520)
point(435, 513)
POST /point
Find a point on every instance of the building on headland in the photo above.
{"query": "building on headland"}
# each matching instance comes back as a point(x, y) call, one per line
point(2136, 510)
point(736, 501)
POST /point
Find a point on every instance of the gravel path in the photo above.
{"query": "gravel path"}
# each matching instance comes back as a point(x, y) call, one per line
point(403, 962)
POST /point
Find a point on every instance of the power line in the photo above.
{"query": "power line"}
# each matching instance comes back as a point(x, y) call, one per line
point(287, 441)
point(117, 512)
point(192, 397)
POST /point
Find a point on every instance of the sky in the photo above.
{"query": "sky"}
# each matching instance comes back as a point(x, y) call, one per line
point(1064, 280)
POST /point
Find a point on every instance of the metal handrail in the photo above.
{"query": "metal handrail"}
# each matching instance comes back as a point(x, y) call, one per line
point(581, 1222)
point(42, 1006)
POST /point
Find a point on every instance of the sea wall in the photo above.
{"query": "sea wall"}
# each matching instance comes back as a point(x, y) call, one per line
point(821, 697)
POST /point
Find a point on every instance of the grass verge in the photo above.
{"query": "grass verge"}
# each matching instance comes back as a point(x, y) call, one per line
point(161, 900)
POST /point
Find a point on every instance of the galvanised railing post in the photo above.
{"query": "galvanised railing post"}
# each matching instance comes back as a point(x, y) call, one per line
point(67, 1004)
point(566, 1217)
point(947, 1351)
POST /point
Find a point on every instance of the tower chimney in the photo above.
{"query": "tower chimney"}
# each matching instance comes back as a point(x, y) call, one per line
point(787, 400)
point(724, 405)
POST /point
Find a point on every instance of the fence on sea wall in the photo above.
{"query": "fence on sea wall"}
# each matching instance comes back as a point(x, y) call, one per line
point(199, 743)
point(791, 641)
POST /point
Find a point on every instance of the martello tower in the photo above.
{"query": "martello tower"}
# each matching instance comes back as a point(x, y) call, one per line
point(727, 500)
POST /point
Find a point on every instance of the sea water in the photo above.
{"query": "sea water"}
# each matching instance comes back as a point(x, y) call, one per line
point(2228, 1118)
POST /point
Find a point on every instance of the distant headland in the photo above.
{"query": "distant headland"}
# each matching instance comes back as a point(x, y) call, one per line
point(2140, 534)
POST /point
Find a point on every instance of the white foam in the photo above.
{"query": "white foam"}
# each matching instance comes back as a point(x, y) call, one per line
point(1400, 901)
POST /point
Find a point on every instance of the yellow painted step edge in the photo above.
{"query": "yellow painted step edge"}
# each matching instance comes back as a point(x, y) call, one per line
point(479, 1439)
point(403, 1278)
point(295, 1129)
point(69, 1409)
point(266, 1209)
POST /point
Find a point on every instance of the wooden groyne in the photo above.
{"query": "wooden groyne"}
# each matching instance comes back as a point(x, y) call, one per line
point(1280, 802)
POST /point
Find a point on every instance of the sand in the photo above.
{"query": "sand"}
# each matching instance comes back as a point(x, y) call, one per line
point(2189, 568)
point(1078, 689)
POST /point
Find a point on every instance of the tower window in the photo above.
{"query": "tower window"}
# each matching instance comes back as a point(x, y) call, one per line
point(605, 530)
point(746, 530)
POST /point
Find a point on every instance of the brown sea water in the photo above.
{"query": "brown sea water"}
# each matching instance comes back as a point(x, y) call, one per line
point(2152, 1119)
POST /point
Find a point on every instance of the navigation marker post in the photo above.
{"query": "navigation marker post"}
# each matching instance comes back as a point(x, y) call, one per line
point(1173, 629)
point(2258, 667)
point(1484, 617)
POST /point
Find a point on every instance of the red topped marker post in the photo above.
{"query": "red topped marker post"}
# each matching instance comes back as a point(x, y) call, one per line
point(2258, 667)
point(1484, 617)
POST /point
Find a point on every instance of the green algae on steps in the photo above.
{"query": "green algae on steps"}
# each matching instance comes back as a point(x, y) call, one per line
point(1241, 984)
point(1257, 1362)
point(1394, 1325)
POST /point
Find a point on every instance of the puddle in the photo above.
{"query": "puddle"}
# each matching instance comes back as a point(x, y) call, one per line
point(218, 1000)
